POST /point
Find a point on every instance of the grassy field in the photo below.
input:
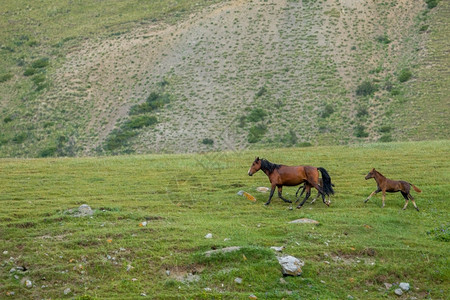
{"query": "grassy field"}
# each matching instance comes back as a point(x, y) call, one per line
point(354, 250)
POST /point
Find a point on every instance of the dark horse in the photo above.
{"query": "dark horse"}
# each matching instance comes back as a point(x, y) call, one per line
point(387, 185)
point(280, 175)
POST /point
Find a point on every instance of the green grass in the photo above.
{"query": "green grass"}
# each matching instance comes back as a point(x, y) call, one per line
point(184, 197)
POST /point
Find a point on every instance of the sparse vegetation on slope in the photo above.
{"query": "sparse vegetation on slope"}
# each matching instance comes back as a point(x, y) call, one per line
point(219, 62)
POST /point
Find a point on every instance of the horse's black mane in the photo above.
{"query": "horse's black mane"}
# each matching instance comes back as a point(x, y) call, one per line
point(268, 166)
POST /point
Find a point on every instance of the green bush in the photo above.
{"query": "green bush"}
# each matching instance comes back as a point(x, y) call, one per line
point(257, 114)
point(47, 152)
point(5, 77)
point(207, 141)
point(119, 138)
point(431, 3)
point(383, 39)
point(40, 63)
point(385, 138)
point(385, 129)
point(29, 71)
point(361, 112)
point(20, 138)
point(327, 111)
point(256, 133)
point(405, 75)
point(153, 102)
point(261, 91)
point(366, 88)
point(139, 122)
point(359, 131)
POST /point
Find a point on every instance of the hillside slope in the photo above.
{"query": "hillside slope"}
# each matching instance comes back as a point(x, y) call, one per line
point(239, 74)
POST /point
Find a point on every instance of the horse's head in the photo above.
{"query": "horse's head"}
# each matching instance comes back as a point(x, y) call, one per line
point(255, 167)
point(371, 174)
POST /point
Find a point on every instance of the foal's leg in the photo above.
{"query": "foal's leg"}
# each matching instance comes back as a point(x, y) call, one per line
point(308, 193)
point(384, 196)
point(406, 199)
point(373, 193)
point(412, 200)
point(280, 190)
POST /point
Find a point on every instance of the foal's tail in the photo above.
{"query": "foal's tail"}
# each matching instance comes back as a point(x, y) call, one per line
point(416, 188)
point(327, 185)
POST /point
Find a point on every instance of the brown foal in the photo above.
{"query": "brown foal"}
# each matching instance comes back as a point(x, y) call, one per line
point(387, 185)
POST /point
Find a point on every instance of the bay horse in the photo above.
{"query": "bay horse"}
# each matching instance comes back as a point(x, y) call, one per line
point(281, 175)
point(391, 186)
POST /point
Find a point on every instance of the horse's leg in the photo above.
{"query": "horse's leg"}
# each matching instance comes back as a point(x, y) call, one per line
point(412, 200)
point(270, 196)
point(280, 190)
point(373, 193)
point(384, 196)
point(406, 199)
point(298, 198)
point(308, 193)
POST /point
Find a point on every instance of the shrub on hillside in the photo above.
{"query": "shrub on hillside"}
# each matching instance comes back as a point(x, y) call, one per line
point(139, 122)
point(153, 102)
point(431, 3)
point(256, 133)
point(257, 114)
point(328, 110)
point(40, 63)
point(359, 131)
point(207, 141)
point(405, 75)
point(366, 88)
point(5, 77)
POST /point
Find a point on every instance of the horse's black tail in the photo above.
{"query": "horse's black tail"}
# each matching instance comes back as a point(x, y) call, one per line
point(327, 185)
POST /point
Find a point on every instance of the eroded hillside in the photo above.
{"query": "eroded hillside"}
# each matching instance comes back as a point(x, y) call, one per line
point(244, 73)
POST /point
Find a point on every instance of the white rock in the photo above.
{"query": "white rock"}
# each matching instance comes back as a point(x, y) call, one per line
point(28, 284)
point(262, 189)
point(291, 265)
point(277, 249)
point(404, 286)
point(207, 289)
point(208, 236)
point(5, 252)
point(304, 221)
point(67, 291)
point(387, 285)
point(238, 280)
point(398, 292)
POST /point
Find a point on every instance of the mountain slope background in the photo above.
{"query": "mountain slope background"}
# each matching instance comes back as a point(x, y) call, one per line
point(186, 76)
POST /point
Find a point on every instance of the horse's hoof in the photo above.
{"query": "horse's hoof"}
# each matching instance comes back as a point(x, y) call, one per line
point(267, 203)
point(289, 201)
point(417, 209)
point(298, 207)
point(365, 201)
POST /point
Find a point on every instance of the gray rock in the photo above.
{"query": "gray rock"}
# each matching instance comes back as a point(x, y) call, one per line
point(84, 210)
point(398, 292)
point(208, 236)
point(238, 280)
point(290, 265)
point(304, 221)
point(404, 286)
point(223, 250)
point(67, 291)
point(387, 285)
